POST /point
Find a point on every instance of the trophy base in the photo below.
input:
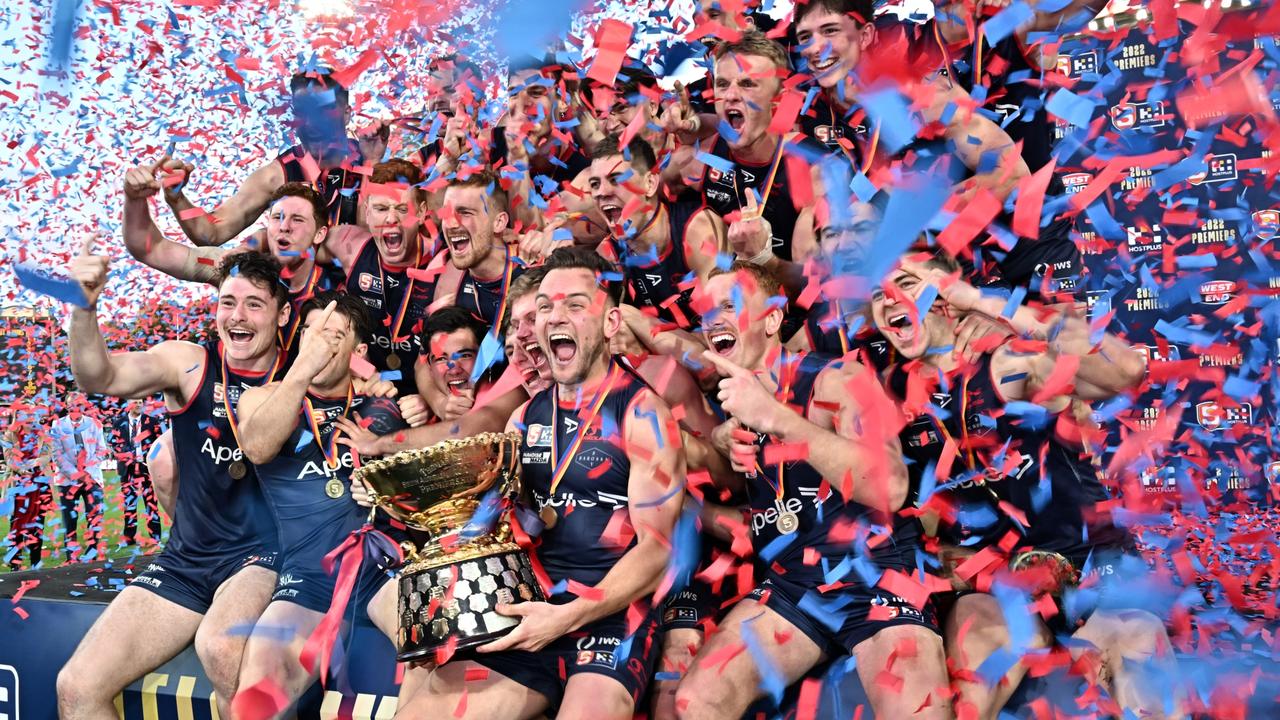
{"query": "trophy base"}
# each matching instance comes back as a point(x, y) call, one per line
point(445, 600)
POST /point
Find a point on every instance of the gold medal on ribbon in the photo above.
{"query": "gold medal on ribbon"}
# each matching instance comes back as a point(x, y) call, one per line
point(549, 517)
point(238, 470)
point(334, 488)
point(393, 362)
point(788, 522)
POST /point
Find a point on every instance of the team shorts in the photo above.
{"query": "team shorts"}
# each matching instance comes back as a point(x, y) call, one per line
point(861, 612)
point(190, 583)
point(601, 648)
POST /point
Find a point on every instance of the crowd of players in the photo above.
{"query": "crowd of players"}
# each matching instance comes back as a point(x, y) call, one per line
point(747, 451)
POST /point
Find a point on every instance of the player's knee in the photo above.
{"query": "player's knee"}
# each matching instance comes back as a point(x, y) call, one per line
point(698, 698)
point(220, 656)
point(1137, 635)
point(77, 689)
point(601, 705)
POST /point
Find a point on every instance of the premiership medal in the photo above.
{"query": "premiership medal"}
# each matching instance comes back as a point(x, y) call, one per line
point(238, 470)
point(788, 522)
point(334, 488)
point(393, 362)
point(549, 517)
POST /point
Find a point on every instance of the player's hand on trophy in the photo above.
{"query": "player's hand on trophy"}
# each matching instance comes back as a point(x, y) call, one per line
point(364, 442)
point(90, 271)
point(540, 624)
point(360, 493)
point(319, 346)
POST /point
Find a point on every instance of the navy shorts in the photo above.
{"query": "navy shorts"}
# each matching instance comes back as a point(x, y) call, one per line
point(862, 612)
point(601, 648)
point(192, 584)
point(308, 585)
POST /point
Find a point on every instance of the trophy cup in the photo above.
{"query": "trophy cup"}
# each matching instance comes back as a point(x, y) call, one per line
point(450, 585)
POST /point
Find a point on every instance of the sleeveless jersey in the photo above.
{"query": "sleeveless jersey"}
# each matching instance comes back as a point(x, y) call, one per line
point(726, 192)
point(484, 298)
point(383, 290)
point(1001, 458)
point(215, 514)
point(813, 506)
point(664, 282)
point(594, 485)
point(309, 521)
point(338, 186)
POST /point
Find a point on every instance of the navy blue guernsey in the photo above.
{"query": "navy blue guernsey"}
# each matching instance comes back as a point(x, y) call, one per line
point(726, 193)
point(784, 529)
point(840, 132)
point(383, 290)
point(310, 521)
point(664, 281)
point(1001, 459)
point(594, 486)
point(216, 515)
point(484, 298)
point(339, 187)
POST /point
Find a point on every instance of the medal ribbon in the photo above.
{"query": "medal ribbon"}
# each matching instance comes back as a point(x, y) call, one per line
point(331, 452)
point(398, 320)
point(768, 182)
point(562, 461)
point(295, 318)
point(506, 285)
point(226, 391)
point(788, 368)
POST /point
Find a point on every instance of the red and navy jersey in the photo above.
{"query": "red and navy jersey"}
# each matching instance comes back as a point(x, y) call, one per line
point(310, 522)
point(816, 506)
point(664, 281)
point(726, 192)
point(340, 186)
point(1002, 457)
point(593, 489)
point(383, 290)
point(216, 515)
point(485, 298)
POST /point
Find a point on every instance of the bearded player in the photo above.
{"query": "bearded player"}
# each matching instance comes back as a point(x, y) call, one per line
point(216, 571)
point(607, 475)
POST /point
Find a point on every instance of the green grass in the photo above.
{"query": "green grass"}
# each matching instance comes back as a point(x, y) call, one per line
point(112, 527)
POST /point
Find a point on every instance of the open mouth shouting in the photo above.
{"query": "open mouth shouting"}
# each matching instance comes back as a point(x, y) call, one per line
point(240, 337)
point(459, 242)
point(722, 341)
point(736, 119)
point(393, 241)
point(899, 325)
point(611, 210)
point(563, 348)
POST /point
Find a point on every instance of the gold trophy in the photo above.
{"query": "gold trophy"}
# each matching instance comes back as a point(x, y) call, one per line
point(450, 585)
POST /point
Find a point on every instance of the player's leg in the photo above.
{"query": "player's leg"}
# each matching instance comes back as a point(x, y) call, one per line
point(904, 672)
point(464, 689)
point(1139, 668)
point(726, 676)
point(220, 642)
point(271, 667)
point(679, 647)
point(110, 656)
point(974, 631)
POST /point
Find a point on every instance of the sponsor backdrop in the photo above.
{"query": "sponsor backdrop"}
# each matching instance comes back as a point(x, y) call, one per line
point(1182, 252)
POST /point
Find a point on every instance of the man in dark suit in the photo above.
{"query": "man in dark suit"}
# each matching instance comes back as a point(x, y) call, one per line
point(133, 433)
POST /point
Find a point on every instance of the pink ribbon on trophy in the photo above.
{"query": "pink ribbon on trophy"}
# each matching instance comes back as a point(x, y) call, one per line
point(351, 555)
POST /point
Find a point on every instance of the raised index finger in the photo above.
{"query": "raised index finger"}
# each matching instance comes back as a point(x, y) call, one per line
point(87, 248)
point(725, 366)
